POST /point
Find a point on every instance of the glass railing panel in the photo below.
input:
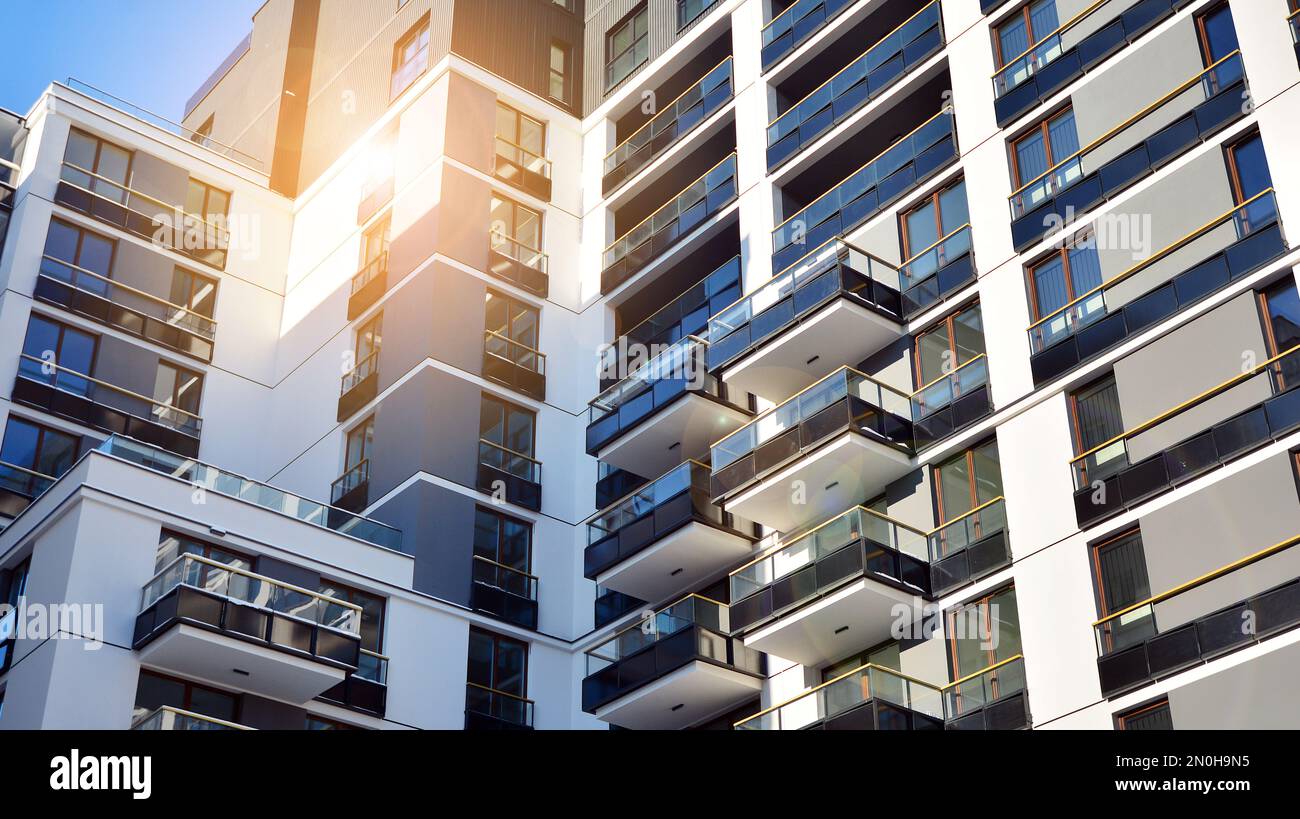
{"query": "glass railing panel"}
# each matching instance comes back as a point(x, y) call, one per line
point(23, 481)
point(516, 352)
point(999, 680)
point(974, 526)
point(226, 483)
point(675, 113)
point(692, 610)
point(1181, 100)
point(370, 272)
point(126, 296)
point(530, 161)
point(938, 394)
point(643, 501)
point(365, 368)
point(930, 261)
point(372, 667)
point(500, 705)
point(350, 480)
point(506, 578)
point(175, 719)
point(506, 460)
point(682, 361)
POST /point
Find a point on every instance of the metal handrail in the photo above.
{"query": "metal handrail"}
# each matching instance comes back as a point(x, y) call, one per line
point(355, 375)
point(134, 291)
point(154, 403)
point(540, 356)
point(193, 715)
point(546, 163)
point(1061, 29)
point(672, 201)
point(664, 110)
point(133, 192)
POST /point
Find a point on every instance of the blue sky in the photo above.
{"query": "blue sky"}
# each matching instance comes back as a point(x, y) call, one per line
point(154, 53)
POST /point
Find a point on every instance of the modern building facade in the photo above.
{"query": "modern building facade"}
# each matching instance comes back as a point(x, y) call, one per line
point(656, 364)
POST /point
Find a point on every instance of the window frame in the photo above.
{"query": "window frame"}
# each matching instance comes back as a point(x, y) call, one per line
point(497, 641)
point(565, 74)
point(413, 34)
point(1104, 609)
point(195, 282)
point(100, 142)
point(174, 401)
point(1234, 170)
point(1122, 718)
point(189, 687)
point(364, 432)
point(511, 238)
point(972, 479)
point(949, 323)
point(1043, 129)
point(1202, 34)
point(950, 630)
point(63, 330)
point(501, 518)
point(931, 200)
point(1023, 13)
point(1062, 253)
point(39, 448)
point(610, 35)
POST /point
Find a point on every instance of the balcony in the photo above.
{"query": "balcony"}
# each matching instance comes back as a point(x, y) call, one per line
point(504, 592)
point(668, 127)
point(516, 365)
point(351, 490)
point(1080, 45)
point(875, 698)
point(670, 407)
point(840, 586)
point(516, 165)
point(815, 597)
point(867, 191)
point(1244, 239)
point(668, 226)
point(126, 308)
point(20, 486)
point(951, 402)
point(686, 315)
point(1108, 480)
point(843, 439)
point(672, 670)
point(611, 605)
point(212, 479)
point(518, 475)
point(1188, 115)
point(1133, 649)
point(101, 405)
point(800, 20)
point(106, 201)
point(1293, 20)
point(205, 619)
point(515, 262)
point(168, 718)
point(864, 79)
point(838, 303)
point(664, 537)
point(364, 690)
point(937, 272)
point(368, 286)
point(487, 709)
point(358, 387)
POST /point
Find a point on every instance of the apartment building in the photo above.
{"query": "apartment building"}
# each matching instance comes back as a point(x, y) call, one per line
point(661, 364)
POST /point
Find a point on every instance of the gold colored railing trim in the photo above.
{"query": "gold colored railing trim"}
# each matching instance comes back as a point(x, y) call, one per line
point(375, 654)
point(31, 472)
point(1186, 84)
point(1214, 574)
point(872, 47)
point(948, 374)
point(496, 234)
point(504, 566)
point(674, 299)
point(944, 110)
point(1061, 29)
point(675, 100)
point(981, 672)
point(255, 576)
point(132, 191)
point(128, 288)
point(926, 534)
point(1155, 257)
point(670, 201)
point(528, 151)
point(611, 638)
point(1190, 402)
point(845, 369)
point(130, 394)
point(940, 241)
point(605, 510)
point(509, 451)
point(510, 340)
point(499, 691)
point(190, 715)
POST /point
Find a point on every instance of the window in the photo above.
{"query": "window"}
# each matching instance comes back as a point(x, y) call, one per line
point(80, 250)
point(1032, 155)
point(940, 214)
point(690, 10)
point(372, 612)
point(172, 545)
point(515, 229)
point(36, 449)
point(58, 355)
point(359, 442)
point(370, 337)
point(508, 431)
point(945, 347)
point(1024, 29)
point(627, 46)
point(315, 723)
point(176, 393)
point(520, 138)
point(375, 241)
point(1063, 276)
point(194, 292)
point(1216, 33)
point(507, 542)
point(1280, 306)
point(1097, 419)
point(567, 5)
point(1248, 169)
point(410, 58)
point(561, 72)
point(155, 690)
point(1120, 569)
point(1154, 716)
point(512, 325)
point(497, 664)
point(210, 204)
point(18, 578)
point(984, 632)
point(97, 165)
point(968, 480)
